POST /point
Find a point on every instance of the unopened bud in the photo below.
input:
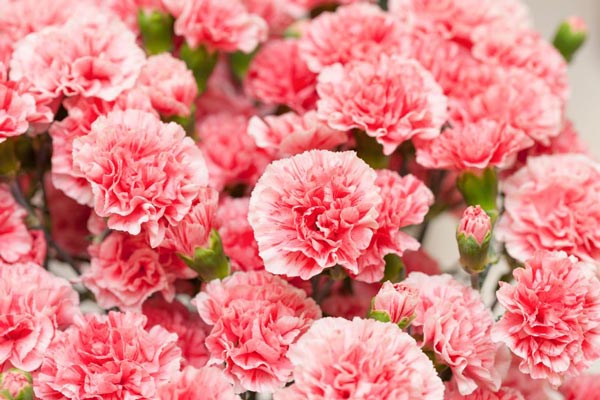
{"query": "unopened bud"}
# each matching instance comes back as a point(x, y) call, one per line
point(157, 31)
point(570, 36)
point(473, 235)
point(16, 385)
point(209, 262)
point(395, 302)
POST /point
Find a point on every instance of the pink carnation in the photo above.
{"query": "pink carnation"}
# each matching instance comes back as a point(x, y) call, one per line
point(392, 99)
point(237, 235)
point(277, 76)
point(552, 317)
point(477, 145)
point(171, 86)
point(531, 389)
point(522, 101)
point(568, 141)
point(406, 200)
point(360, 32)
point(83, 112)
point(176, 318)
point(456, 326)
point(342, 359)
point(143, 173)
point(290, 133)
point(15, 109)
point(208, 383)
point(452, 393)
point(474, 223)
point(34, 304)
point(93, 55)
point(348, 304)
point(220, 25)
point(552, 203)
point(313, 211)
point(583, 387)
point(125, 271)
point(398, 300)
point(194, 229)
point(115, 358)
point(256, 317)
point(231, 154)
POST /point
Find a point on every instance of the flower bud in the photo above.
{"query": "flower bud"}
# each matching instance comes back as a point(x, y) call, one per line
point(480, 188)
point(473, 235)
point(157, 31)
point(209, 262)
point(16, 385)
point(395, 302)
point(570, 36)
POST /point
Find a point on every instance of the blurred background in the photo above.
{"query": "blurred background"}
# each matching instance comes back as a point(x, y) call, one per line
point(584, 72)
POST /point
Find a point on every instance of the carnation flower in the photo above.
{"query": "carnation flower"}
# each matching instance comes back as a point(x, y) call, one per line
point(392, 99)
point(15, 109)
point(455, 325)
point(452, 393)
point(170, 84)
point(255, 317)
point(277, 76)
point(581, 388)
point(83, 112)
point(552, 317)
point(34, 304)
point(125, 271)
point(397, 300)
point(291, 133)
point(524, 102)
point(568, 141)
point(313, 211)
point(552, 203)
point(478, 145)
point(176, 318)
point(531, 389)
point(237, 235)
point(93, 55)
point(474, 223)
point(115, 357)
point(359, 32)
point(220, 25)
point(208, 383)
point(143, 173)
point(231, 154)
point(406, 200)
point(341, 359)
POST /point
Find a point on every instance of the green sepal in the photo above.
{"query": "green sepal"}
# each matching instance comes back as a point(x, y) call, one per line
point(568, 41)
point(480, 189)
point(209, 262)
point(404, 322)
point(240, 62)
point(156, 29)
point(380, 316)
point(201, 62)
point(473, 255)
point(395, 271)
point(370, 151)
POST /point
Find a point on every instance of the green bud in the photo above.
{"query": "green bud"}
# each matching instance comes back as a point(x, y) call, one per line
point(201, 62)
point(480, 189)
point(570, 36)
point(381, 316)
point(16, 385)
point(209, 262)
point(157, 31)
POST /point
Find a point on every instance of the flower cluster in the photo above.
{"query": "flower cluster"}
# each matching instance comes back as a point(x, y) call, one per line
point(230, 199)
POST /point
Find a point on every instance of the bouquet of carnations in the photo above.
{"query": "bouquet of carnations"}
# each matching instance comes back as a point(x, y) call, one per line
point(228, 199)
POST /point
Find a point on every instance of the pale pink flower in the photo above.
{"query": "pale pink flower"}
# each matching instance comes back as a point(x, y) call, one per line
point(420, 261)
point(478, 145)
point(552, 317)
point(406, 201)
point(391, 99)
point(277, 76)
point(568, 141)
point(452, 393)
point(349, 304)
point(456, 326)
point(143, 173)
point(125, 271)
point(359, 32)
point(93, 55)
point(524, 102)
point(360, 359)
point(83, 112)
point(313, 211)
point(171, 86)
point(290, 133)
point(474, 223)
point(583, 387)
point(194, 229)
point(531, 389)
point(176, 318)
point(220, 25)
point(256, 316)
point(108, 356)
point(552, 203)
point(237, 234)
point(398, 300)
point(526, 50)
point(231, 155)
point(208, 383)
point(15, 109)
point(34, 304)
